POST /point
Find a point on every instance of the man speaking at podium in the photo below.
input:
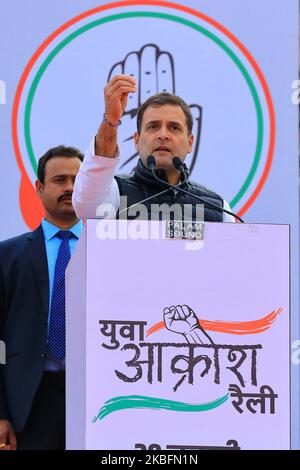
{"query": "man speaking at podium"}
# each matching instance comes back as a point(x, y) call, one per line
point(163, 139)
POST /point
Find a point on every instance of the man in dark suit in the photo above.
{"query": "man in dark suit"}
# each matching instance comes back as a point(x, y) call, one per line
point(32, 312)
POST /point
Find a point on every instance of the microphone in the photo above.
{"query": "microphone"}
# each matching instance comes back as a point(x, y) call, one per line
point(151, 163)
point(179, 165)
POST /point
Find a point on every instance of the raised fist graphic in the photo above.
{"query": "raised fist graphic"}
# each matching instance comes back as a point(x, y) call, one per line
point(183, 320)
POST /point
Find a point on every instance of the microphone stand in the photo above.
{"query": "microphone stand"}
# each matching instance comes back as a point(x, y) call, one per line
point(180, 166)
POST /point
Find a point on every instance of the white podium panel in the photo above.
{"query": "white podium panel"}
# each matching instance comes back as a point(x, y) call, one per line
point(175, 344)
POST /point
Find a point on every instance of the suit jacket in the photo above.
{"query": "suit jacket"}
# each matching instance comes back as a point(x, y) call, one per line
point(24, 304)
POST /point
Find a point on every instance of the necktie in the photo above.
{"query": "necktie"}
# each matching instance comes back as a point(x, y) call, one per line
point(57, 330)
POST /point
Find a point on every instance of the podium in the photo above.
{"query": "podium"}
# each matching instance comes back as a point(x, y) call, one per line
point(175, 343)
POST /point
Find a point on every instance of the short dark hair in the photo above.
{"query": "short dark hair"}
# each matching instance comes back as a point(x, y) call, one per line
point(60, 151)
point(161, 99)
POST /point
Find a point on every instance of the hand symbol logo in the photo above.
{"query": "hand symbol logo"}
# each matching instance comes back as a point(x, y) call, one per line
point(155, 73)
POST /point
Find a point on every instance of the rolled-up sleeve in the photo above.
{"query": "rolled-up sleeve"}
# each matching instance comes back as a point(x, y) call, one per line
point(96, 193)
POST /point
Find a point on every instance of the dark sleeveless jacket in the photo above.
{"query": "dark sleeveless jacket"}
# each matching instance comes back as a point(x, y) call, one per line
point(140, 185)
